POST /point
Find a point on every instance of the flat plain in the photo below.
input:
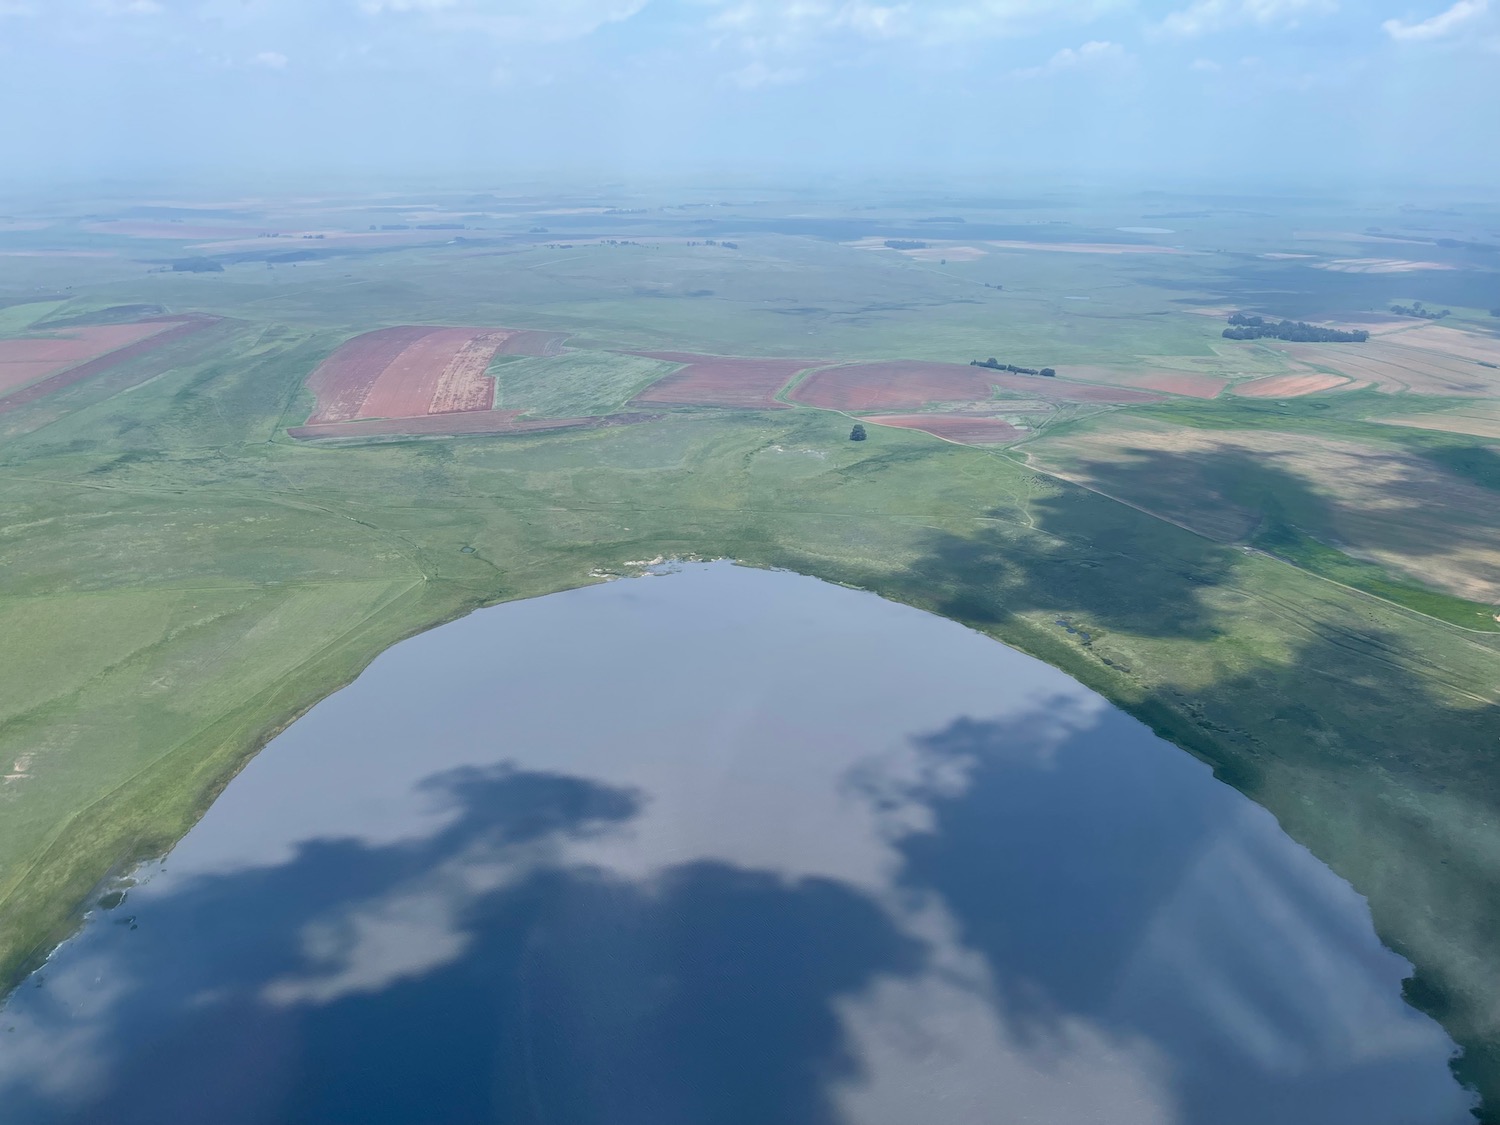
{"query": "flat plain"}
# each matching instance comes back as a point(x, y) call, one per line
point(1280, 555)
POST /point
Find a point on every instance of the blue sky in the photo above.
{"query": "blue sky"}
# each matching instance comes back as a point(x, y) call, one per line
point(1315, 92)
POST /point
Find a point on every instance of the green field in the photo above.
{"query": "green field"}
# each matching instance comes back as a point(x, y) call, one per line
point(182, 579)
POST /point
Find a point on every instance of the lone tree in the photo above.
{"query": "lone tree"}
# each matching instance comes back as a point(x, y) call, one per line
point(857, 434)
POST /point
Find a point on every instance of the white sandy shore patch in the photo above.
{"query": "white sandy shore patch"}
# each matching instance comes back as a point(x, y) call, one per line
point(1087, 247)
point(950, 253)
point(1378, 265)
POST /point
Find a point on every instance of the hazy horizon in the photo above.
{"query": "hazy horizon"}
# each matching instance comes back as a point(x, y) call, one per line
point(1328, 96)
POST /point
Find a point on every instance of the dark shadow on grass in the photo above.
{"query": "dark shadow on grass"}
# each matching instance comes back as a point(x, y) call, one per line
point(1237, 497)
point(1090, 557)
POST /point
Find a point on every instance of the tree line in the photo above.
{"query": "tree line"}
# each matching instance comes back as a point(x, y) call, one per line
point(1416, 309)
point(995, 365)
point(1258, 328)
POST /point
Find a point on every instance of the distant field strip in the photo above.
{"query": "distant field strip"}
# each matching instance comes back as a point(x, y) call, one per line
point(1291, 386)
point(1427, 360)
point(412, 371)
point(967, 429)
point(717, 380)
point(82, 354)
point(24, 361)
point(1192, 384)
point(912, 384)
point(473, 422)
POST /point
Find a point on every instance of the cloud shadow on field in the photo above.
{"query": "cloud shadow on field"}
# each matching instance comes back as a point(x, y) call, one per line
point(1094, 557)
point(468, 977)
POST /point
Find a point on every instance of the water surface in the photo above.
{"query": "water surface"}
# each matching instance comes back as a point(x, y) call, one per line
point(724, 846)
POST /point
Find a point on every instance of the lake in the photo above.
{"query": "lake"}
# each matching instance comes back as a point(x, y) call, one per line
point(724, 845)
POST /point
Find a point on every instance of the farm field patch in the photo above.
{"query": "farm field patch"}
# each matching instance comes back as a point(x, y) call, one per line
point(1479, 419)
point(185, 231)
point(1291, 386)
point(474, 422)
point(411, 371)
point(1191, 384)
point(1377, 503)
point(101, 348)
point(967, 429)
point(1394, 364)
point(713, 380)
point(575, 384)
point(28, 359)
point(911, 384)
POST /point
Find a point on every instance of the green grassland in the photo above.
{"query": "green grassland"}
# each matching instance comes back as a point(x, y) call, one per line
point(182, 579)
point(573, 385)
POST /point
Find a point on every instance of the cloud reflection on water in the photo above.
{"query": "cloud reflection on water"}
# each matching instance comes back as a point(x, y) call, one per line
point(748, 867)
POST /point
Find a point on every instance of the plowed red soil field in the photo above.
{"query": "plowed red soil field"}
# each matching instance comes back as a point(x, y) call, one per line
point(718, 380)
point(1190, 383)
point(908, 385)
point(475, 422)
point(965, 428)
point(412, 371)
point(27, 360)
point(118, 343)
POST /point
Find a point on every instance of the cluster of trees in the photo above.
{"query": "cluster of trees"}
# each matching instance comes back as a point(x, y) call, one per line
point(995, 365)
point(904, 244)
point(711, 242)
point(857, 434)
point(1416, 309)
point(987, 285)
point(1258, 328)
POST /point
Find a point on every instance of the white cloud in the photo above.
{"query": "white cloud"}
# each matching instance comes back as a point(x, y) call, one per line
point(1204, 17)
point(271, 60)
point(1438, 26)
point(758, 73)
point(1095, 53)
point(1207, 66)
point(514, 21)
point(789, 24)
point(129, 7)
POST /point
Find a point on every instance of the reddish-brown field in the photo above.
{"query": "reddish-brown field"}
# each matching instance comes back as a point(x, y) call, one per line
point(1290, 386)
point(127, 345)
point(475, 422)
point(415, 370)
point(909, 385)
point(27, 360)
point(718, 380)
point(968, 429)
point(1192, 384)
point(155, 228)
